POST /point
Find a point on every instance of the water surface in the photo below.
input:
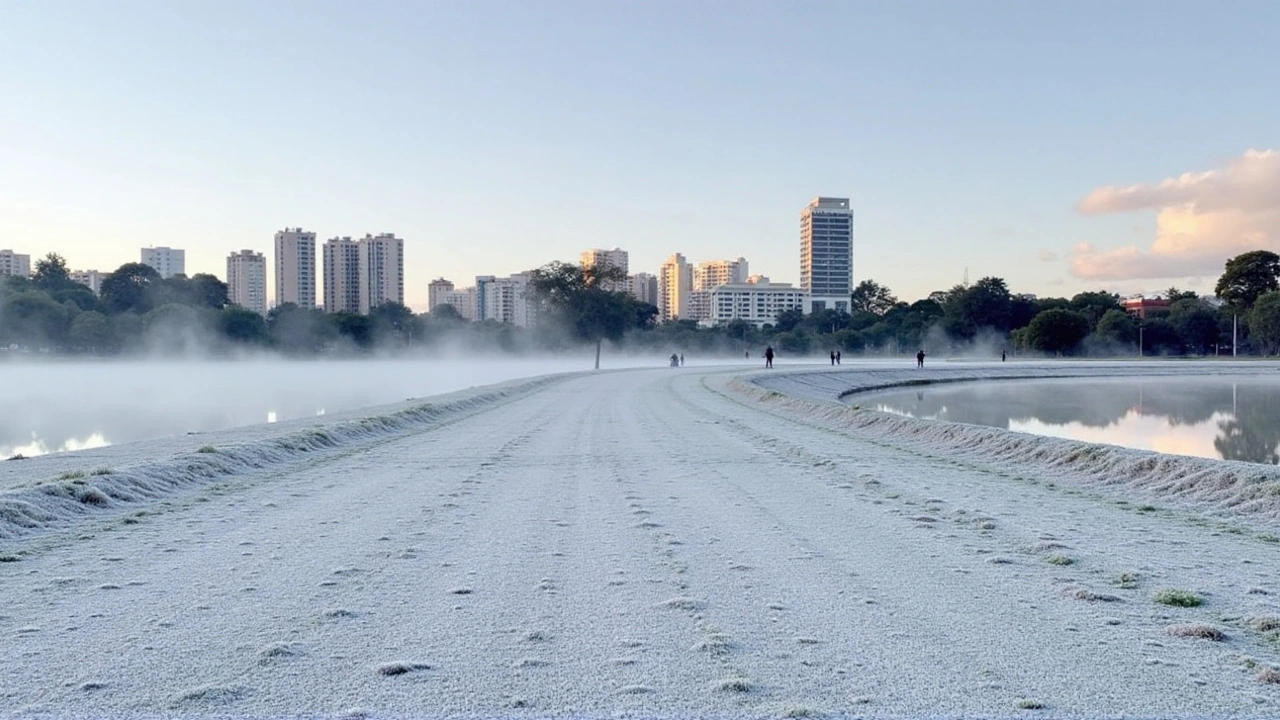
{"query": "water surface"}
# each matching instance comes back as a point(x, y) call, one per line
point(1223, 417)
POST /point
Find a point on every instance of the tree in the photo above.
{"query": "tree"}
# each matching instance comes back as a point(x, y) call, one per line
point(1057, 331)
point(987, 304)
point(1264, 323)
point(871, 297)
point(1247, 276)
point(243, 325)
point(788, 320)
point(1093, 305)
point(129, 289)
point(1117, 327)
point(51, 274)
point(1196, 324)
point(296, 330)
point(32, 319)
point(392, 321)
point(576, 299)
point(90, 332)
point(1173, 295)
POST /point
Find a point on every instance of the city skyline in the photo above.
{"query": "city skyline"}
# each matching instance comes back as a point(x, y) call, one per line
point(1063, 147)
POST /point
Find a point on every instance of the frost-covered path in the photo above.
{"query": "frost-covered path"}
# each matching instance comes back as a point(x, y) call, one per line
point(641, 543)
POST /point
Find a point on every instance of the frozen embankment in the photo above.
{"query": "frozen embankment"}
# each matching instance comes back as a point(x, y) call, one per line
point(1221, 487)
point(666, 543)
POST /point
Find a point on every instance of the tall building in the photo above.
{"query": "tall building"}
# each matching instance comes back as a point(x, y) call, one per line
point(714, 273)
point(12, 263)
point(675, 282)
point(464, 301)
point(247, 280)
point(505, 299)
point(437, 291)
point(616, 257)
point(91, 279)
point(826, 253)
point(341, 275)
point(381, 262)
point(166, 261)
point(296, 267)
point(644, 287)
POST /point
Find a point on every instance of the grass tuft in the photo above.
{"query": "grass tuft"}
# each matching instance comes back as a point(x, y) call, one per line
point(1177, 598)
point(71, 475)
point(102, 471)
point(392, 669)
point(1268, 676)
point(1126, 581)
point(1027, 704)
point(1196, 630)
point(206, 449)
point(1057, 559)
point(1264, 623)
point(17, 456)
point(737, 684)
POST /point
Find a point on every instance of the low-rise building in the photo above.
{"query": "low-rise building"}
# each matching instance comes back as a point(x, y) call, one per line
point(756, 303)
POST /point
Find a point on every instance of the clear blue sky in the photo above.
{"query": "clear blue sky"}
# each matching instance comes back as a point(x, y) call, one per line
point(495, 136)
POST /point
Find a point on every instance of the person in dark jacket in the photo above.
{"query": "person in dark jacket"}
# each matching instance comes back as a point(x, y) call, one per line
point(768, 356)
point(920, 359)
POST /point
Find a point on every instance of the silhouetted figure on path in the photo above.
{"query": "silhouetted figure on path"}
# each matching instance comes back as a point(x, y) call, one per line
point(833, 357)
point(768, 356)
point(675, 360)
point(920, 359)
point(837, 357)
point(681, 359)
point(1001, 356)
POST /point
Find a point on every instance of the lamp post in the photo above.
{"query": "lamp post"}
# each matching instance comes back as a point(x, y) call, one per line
point(1140, 341)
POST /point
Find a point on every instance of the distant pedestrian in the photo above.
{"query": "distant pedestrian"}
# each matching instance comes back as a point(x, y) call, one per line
point(1001, 356)
point(748, 352)
point(920, 359)
point(681, 359)
point(833, 358)
point(837, 357)
point(768, 356)
point(675, 360)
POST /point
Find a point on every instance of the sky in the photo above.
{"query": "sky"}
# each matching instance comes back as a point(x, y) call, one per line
point(1063, 146)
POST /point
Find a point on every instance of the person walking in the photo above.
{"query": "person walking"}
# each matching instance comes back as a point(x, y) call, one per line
point(681, 359)
point(920, 359)
point(768, 356)
point(837, 357)
point(833, 358)
point(1001, 356)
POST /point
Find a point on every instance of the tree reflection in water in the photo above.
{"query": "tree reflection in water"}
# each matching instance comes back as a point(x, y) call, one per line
point(1243, 414)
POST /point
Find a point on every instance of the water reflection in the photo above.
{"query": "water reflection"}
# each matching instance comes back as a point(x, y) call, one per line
point(1220, 417)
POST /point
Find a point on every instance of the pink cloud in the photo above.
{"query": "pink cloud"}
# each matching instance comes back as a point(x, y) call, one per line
point(1202, 219)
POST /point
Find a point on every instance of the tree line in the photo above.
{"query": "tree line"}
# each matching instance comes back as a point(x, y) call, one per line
point(138, 311)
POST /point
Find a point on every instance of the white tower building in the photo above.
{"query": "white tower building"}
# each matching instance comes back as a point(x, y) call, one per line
point(296, 267)
point(247, 280)
point(165, 260)
point(826, 253)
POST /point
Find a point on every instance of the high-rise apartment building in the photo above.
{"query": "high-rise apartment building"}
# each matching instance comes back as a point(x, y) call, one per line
point(437, 291)
point(758, 303)
point(464, 301)
point(247, 280)
point(826, 253)
point(644, 287)
point(341, 275)
point(714, 273)
point(296, 267)
point(505, 299)
point(381, 259)
point(675, 282)
point(91, 279)
point(15, 264)
point(616, 257)
point(165, 260)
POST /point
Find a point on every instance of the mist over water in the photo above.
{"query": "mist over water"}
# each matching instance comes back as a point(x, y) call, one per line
point(54, 406)
point(1224, 417)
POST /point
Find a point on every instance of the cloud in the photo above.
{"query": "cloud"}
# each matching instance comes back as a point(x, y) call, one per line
point(1202, 220)
point(1048, 256)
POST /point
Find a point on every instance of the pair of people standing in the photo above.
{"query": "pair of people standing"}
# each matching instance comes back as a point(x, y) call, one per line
point(835, 357)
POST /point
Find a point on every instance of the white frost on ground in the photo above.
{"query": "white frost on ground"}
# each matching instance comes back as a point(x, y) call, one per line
point(640, 543)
